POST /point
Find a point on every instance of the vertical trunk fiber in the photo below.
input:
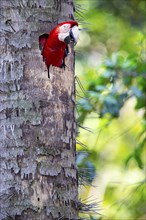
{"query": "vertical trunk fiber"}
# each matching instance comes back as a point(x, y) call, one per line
point(38, 178)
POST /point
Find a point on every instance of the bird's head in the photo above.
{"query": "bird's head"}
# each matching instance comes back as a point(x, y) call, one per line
point(68, 31)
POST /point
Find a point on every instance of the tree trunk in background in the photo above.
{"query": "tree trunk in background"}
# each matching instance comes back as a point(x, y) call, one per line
point(38, 179)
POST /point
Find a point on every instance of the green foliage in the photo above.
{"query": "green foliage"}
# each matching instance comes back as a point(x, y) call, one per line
point(118, 79)
point(111, 65)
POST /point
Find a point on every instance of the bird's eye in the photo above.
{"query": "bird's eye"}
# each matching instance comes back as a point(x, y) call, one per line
point(64, 28)
point(66, 25)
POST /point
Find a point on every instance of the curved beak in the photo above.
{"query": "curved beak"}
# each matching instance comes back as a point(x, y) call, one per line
point(73, 35)
point(67, 40)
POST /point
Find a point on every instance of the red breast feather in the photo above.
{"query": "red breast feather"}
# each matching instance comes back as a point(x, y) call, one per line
point(53, 52)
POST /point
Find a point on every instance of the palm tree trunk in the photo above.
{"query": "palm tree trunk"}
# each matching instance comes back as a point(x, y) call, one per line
point(38, 178)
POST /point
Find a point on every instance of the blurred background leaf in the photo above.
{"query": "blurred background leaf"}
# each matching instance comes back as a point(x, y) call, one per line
point(111, 66)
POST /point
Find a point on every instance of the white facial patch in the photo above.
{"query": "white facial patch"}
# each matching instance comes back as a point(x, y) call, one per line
point(62, 36)
point(64, 31)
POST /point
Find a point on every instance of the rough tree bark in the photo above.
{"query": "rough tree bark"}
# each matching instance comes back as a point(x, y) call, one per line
point(38, 179)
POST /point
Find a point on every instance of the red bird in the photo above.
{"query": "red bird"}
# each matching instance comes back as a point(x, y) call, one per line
point(54, 46)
